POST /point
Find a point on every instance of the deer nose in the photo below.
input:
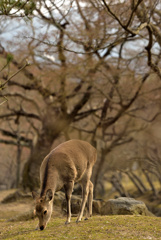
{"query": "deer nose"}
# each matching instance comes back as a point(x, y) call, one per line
point(42, 228)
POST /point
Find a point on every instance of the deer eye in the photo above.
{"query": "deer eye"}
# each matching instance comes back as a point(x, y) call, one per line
point(45, 212)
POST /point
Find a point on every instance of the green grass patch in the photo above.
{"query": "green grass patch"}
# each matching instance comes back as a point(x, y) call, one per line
point(98, 227)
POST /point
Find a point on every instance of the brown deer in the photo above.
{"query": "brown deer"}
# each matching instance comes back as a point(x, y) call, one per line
point(70, 162)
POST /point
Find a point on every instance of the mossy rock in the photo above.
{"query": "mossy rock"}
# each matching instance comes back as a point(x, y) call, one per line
point(76, 205)
point(58, 198)
point(23, 217)
point(16, 196)
point(125, 206)
point(97, 206)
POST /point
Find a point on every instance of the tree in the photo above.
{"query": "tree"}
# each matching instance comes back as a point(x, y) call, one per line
point(95, 67)
point(17, 8)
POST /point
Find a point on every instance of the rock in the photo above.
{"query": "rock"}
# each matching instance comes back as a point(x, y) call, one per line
point(23, 217)
point(75, 205)
point(125, 206)
point(16, 196)
point(58, 198)
point(97, 206)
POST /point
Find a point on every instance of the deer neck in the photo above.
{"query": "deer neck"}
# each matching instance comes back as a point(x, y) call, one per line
point(50, 182)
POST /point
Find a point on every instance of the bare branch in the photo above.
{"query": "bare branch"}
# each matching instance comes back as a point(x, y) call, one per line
point(148, 48)
point(111, 121)
point(10, 142)
point(20, 113)
point(26, 99)
point(15, 136)
point(13, 75)
point(117, 19)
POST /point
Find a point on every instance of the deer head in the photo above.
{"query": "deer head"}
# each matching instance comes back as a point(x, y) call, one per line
point(44, 208)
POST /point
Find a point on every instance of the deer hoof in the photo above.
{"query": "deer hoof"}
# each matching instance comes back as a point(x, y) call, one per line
point(78, 221)
point(66, 223)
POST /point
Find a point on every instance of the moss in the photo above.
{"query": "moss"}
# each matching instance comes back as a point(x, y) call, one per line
point(98, 227)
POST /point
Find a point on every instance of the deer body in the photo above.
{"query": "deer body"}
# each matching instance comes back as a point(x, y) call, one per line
point(70, 162)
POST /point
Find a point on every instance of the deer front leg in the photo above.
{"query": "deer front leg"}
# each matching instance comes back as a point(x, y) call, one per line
point(68, 192)
point(89, 201)
point(85, 191)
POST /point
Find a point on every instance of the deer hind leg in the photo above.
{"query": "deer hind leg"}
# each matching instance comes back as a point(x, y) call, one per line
point(86, 187)
point(68, 192)
point(85, 191)
point(89, 201)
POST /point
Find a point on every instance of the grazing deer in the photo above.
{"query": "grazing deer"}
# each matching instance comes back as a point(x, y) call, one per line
point(70, 162)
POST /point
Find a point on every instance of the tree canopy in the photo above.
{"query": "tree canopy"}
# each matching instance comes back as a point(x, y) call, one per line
point(94, 74)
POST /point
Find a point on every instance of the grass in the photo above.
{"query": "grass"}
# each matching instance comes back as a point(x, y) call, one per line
point(98, 227)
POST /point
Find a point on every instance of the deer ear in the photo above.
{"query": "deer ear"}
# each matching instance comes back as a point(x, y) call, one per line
point(49, 195)
point(35, 195)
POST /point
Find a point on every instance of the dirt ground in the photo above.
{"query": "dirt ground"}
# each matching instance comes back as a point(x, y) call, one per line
point(9, 210)
point(19, 207)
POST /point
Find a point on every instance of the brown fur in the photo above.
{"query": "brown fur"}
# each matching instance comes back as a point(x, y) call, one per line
point(70, 162)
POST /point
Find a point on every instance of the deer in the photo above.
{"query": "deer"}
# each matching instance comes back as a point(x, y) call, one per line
point(69, 163)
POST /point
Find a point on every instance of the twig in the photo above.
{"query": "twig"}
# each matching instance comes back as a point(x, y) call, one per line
point(13, 75)
point(4, 100)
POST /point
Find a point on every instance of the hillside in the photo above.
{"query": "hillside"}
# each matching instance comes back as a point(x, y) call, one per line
point(98, 227)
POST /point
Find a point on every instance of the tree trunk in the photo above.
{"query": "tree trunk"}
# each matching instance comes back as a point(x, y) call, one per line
point(135, 182)
point(31, 170)
point(19, 150)
point(139, 181)
point(50, 131)
point(98, 168)
point(150, 182)
point(116, 182)
point(53, 123)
